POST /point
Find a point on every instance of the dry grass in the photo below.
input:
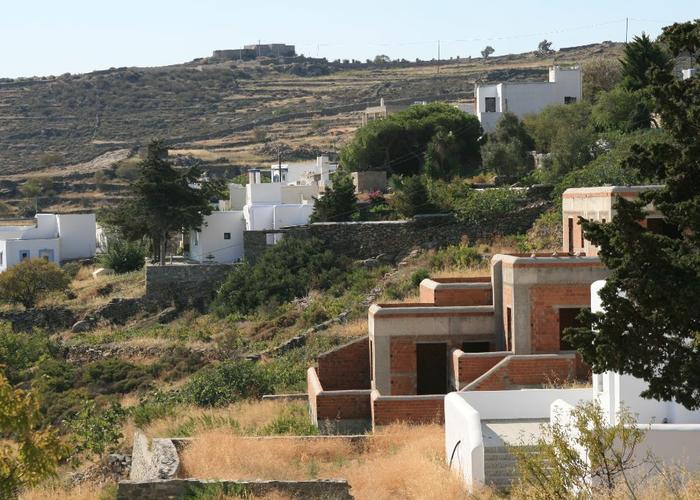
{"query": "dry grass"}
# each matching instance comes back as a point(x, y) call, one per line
point(401, 462)
point(247, 415)
point(82, 492)
point(356, 328)
point(472, 272)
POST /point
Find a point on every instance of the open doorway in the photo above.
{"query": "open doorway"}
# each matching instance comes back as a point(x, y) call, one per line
point(431, 368)
point(567, 319)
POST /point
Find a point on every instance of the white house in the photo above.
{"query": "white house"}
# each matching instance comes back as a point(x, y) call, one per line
point(304, 173)
point(479, 424)
point(53, 237)
point(522, 98)
point(257, 206)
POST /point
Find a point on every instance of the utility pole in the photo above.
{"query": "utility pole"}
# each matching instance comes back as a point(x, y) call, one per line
point(259, 47)
point(627, 25)
point(438, 60)
point(279, 163)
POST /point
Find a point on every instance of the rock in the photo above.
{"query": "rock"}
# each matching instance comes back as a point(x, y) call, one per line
point(84, 325)
point(370, 263)
point(101, 272)
point(119, 311)
point(167, 315)
point(48, 318)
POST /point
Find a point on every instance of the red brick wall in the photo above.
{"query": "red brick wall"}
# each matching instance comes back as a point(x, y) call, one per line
point(472, 367)
point(346, 367)
point(402, 367)
point(544, 316)
point(529, 371)
point(334, 405)
point(507, 302)
point(387, 410)
point(457, 297)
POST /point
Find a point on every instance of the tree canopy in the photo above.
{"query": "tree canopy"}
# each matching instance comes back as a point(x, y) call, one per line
point(166, 200)
point(652, 319)
point(507, 152)
point(338, 203)
point(30, 280)
point(640, 56)
point(435, 138)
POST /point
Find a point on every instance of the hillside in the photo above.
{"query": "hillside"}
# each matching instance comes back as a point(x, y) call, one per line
point(230, 114)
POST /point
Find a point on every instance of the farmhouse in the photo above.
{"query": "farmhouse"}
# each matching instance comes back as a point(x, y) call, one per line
point(54, 237)
point(305, 173)
point(489, 333)
point(522, 98)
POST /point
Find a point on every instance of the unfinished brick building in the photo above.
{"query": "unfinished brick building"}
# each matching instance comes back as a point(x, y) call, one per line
point(496, 332)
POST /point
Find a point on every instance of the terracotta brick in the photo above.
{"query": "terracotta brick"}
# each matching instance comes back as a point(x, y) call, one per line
point(544, 315)
point(347, 367)
point(415, 411)
point(332, 406)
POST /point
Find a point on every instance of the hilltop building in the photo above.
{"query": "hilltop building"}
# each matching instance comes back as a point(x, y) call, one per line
point(564, 86)
point(54, 237)
point(272, 49)
point(490, 333)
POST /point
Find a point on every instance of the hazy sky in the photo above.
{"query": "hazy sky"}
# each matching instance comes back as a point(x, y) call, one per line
point(42, 37)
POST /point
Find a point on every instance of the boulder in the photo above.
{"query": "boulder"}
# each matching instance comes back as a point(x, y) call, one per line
point(167, 315)
point(84, 325)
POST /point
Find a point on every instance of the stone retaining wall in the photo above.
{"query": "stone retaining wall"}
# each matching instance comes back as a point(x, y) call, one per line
point(184, 284)
point(193, 488)
point(363, 240)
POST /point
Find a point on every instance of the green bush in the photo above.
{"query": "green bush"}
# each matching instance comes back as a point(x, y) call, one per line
point(293, 421)
point(412, 197)
point(458, 256)
point(418, 276)
point(71, 269)
point(21, 351)
point(228, 382)
point(286, 271)
point(95, 431)
point(112, 376)
point(545, 233)
point(123, 256)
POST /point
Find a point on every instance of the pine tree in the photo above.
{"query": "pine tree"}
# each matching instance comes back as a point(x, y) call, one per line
point(651, 325)
point(338, 203)
point(640, 55)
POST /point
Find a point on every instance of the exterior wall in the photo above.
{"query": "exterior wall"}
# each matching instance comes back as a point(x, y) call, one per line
point(336, 405)
point(34, 246)
point(402, 365)
point(291, 215)
point(545, 302)
point(394, 332)
point(346, 367)
point(529, 97)
point(528, 279)
point(298, 194)
point(258, 217)
point(472, 365)
point(269, 193)
point(595, 203)
point(526, 371)
point(464, 412)
point(411, 409)
point(236, 196)
point(369, 180)
point(211, 238)
point(457, 291)
point(78, 236)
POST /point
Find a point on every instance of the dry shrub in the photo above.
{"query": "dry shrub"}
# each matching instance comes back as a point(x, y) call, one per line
point(249, 415)
point(356, 328)
point(220, 455)
point(53, 492)
point(403, 461)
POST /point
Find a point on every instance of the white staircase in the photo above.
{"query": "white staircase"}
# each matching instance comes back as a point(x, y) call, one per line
point(500, 466)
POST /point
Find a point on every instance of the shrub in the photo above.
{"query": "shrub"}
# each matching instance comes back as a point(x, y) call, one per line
point(338, 203)
point(19, 352)
point(96, 431)
point(294, 421)
point(28, 454)
point(228, 382)
point(418, 276)
point(111, 376)
point(458, 256)
point(545, 233)
point(71, 269)
point(123, 256)
point(412, 197)
point(286, 271)
point(31, 280)
point(128, 169)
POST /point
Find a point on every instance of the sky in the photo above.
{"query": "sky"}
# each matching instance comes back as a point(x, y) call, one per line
point(52, 37)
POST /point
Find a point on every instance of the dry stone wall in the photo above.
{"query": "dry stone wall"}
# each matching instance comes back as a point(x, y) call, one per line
point(184, 284)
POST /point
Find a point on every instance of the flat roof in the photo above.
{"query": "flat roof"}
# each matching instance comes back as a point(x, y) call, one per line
point(612, 189)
